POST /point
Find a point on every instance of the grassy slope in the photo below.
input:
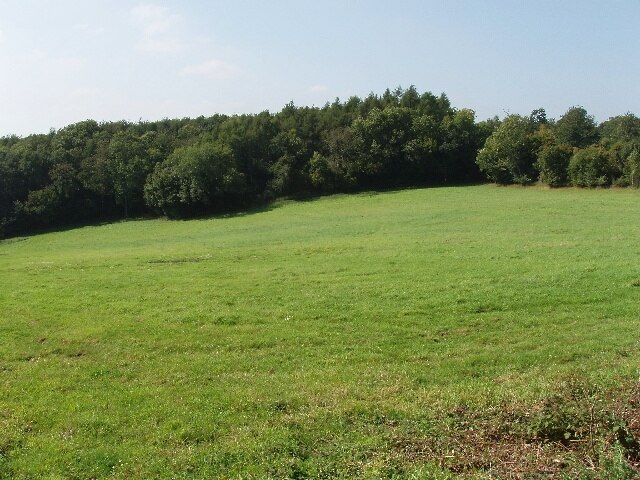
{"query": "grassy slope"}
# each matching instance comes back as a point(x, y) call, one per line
point(302, 339)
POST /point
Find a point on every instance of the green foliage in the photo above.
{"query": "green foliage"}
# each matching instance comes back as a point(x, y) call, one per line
point(632, 169)
point(381, 137)
point(46, 206)
point(577, 128)
point(509, 153)
point(24, 166)
point(621, 137)
point(288, 170)
point(336, 169)
point(192, 178)
point(41, 207)
point(591, 167)
point(614, 467)
point(398, 139)
point(553, 164)
point(622, 128)
point(74, 142)
point(539, 117)
point(460, 140)
point(324, 173)
point(128, 166)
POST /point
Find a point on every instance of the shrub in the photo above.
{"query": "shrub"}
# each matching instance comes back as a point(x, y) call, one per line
point(508, 154)
point(590, 167)
point(194, 179)
point(553, 164)
point(632, 168)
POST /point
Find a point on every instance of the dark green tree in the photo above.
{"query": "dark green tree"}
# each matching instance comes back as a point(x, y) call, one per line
point(250, 139)
point(591, 167)
point(128, 165)
point(509, 154)
point(576, 128)
point(336, 169)
point(381, 137)
point(621, 136)
point(538, 117)
point(553, 164)
point(56, 203)
point(460, 139)
point(288, 174)
point(195, 179)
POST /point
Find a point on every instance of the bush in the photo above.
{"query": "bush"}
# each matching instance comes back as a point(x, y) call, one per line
point(508, 154)
point(194, 179)
point(632, 168)
point(553, 164)
point(591, 167)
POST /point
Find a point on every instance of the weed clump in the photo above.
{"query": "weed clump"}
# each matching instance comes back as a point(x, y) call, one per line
point(578, 432)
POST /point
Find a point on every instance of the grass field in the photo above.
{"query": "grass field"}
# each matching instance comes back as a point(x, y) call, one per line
point(414, 334)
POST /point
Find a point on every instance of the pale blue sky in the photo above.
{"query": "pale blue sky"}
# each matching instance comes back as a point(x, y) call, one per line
point(63, 61)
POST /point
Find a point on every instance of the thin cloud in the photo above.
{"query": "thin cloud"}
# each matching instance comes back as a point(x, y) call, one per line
point(85, 92)
point(160, 45)
point(319, 89)
point(89, 29)
point(157, 27)
point(212, 69)
point(67, 64)
point(1, 36)
point(154, 19)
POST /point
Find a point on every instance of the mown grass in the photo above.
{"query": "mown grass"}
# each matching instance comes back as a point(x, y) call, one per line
point(316, 339)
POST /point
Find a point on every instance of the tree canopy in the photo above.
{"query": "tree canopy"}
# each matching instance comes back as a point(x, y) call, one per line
point(181, 167)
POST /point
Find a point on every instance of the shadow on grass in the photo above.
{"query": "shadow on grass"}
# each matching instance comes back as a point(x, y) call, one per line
point(21, 236)
point(239, 212)
point(374, 191)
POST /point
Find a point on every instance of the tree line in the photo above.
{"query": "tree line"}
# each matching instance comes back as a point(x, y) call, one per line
point(574, 150)
point(184, 167)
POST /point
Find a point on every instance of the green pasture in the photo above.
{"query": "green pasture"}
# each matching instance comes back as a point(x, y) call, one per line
point(309, 339)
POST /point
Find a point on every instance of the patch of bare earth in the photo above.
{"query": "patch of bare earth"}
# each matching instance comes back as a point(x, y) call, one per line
point(576, 431)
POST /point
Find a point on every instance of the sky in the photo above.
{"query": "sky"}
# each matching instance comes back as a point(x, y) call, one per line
point(64, 61)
